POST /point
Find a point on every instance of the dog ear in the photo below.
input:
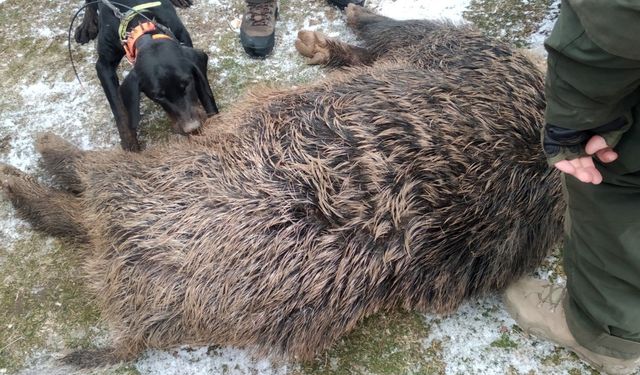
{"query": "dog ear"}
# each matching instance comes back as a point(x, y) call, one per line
point(130, 94)
point(199, 61)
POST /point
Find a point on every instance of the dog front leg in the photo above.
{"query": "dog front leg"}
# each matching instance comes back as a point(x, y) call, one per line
point(130, 94)
point(179, 31)
point(109, 80)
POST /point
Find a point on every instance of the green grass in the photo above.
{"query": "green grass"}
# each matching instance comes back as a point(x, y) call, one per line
point(511, 20)
point(386, 344)
point(504, 342)
point(44, 301)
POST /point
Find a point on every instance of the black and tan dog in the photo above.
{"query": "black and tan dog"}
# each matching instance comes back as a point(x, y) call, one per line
point(166, 67)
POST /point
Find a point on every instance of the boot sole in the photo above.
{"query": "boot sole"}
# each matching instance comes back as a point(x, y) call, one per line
point(258, 47)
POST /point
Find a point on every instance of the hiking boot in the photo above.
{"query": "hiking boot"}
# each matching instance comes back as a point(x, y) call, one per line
point(258, 28)
point(537, 307)
point(343, 3)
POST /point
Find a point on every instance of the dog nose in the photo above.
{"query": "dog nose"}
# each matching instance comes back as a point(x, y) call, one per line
point(190, 126)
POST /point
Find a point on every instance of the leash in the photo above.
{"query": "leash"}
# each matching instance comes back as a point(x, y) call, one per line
point(114, 9)
point(130, 14)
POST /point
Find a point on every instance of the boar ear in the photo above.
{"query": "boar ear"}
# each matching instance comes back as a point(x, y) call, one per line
point(199, 61)
point(130, 94)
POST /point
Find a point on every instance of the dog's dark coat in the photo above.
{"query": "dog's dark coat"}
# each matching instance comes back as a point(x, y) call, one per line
point(169, 72)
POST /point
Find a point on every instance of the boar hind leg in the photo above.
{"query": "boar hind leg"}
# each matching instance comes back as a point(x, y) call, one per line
point(53, 212)
point(58, 159)
point(360, 18)
point(322, 50)
point(92, 358)
point(382, 34)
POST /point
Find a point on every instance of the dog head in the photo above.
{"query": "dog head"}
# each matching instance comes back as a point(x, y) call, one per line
point(174, 76)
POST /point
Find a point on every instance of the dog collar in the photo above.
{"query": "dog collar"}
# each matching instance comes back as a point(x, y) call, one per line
point(144, 28)
point(130, 14)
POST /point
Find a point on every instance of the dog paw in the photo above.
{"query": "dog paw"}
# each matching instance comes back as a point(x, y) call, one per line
point(87, 31)
point(313, 45)
point(131, 145)
point(182, 3)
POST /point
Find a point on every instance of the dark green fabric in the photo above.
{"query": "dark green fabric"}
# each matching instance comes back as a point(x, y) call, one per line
point(613, 24)
point(602, 261)
point(602, 253)
point(586, 86)
point(589, 84)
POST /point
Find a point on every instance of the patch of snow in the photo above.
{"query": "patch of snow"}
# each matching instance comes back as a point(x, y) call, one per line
point(466, 337)
point(61, 107)
point(426, 9)
point(45, 32)
point(9, 226)
point(202, 361)
point(536, 41)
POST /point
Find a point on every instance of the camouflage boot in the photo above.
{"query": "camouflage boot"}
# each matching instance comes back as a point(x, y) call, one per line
point(343, 3)
point(537, 307)
point(257, 31)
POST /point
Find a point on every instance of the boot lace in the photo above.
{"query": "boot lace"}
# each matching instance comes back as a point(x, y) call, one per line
point(261, 13)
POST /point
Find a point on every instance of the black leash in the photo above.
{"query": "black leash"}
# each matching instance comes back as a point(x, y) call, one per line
point(73, 19)
point(115, 10)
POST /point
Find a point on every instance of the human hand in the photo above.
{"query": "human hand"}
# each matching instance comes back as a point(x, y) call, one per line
point(583, 167)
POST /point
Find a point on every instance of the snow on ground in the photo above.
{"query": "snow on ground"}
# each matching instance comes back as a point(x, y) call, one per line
point(479, 339)
point(203, 361)
point(53, 114)
point(61, 105)
point(537, 39)
point(429, 9)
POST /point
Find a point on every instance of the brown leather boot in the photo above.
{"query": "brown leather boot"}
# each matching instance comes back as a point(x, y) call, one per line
point(537, 307)
point(257, 31)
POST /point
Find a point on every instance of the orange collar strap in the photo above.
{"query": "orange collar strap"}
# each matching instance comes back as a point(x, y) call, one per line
point(129, 44)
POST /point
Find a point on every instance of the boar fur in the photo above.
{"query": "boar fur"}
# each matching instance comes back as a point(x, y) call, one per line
point(411, 177)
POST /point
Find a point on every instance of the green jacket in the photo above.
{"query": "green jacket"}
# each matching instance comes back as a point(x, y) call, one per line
point(614, 25)
point(593, 74)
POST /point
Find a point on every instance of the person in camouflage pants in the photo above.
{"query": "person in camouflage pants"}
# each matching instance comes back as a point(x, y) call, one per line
point(593, 136)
